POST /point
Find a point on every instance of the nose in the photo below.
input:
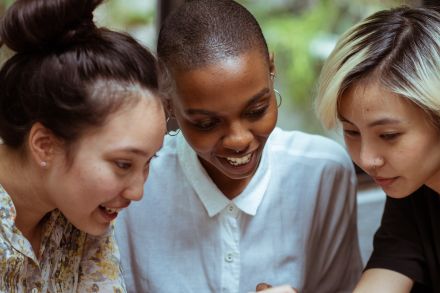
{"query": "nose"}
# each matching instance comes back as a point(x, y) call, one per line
point(135, 189)
point(370, 159)
point(238, 138)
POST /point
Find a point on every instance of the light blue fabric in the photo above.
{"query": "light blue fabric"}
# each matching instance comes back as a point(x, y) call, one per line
point(302, 231)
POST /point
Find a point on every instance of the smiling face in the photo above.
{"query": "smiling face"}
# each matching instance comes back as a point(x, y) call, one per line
point(109, 168)
point(390, 138)
point(226, 112)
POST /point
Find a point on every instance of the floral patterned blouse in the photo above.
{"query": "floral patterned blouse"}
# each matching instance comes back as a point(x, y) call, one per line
point(70, 260)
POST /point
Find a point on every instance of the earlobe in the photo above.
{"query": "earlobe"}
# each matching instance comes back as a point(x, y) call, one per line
point(169, 110)
point(42, 143)
point(272, 63)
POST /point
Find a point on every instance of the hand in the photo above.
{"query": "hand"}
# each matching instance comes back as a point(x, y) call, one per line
point(263, 287)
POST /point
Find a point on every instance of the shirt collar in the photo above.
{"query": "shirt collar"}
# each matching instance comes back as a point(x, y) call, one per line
point(211, 197)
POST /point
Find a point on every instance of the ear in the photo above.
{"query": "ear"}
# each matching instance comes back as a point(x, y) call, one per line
point(272, 63)
point(42, 144)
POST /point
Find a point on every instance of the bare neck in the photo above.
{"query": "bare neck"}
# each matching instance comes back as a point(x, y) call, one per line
point(231, 188)
point(22, 182)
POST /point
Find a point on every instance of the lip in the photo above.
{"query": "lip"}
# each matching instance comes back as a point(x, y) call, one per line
point(247, 168)
point(110, 217)
point(119, 207)
point(107, 217)
point(384, 182)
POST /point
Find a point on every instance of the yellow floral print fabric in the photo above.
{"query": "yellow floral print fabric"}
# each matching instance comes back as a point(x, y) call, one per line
point(69, 260)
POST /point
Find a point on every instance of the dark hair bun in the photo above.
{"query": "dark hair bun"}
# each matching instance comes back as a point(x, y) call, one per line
point(30, 25)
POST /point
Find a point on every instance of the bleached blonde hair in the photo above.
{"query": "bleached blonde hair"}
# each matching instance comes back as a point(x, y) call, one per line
point(399, 47)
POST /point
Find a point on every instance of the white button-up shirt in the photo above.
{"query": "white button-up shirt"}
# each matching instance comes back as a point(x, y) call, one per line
point(295, 223)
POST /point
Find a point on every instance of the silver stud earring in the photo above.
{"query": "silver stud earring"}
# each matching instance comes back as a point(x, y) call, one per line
point(43, 164)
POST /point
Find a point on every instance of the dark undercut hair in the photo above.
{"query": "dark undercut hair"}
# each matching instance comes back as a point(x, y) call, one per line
point(202, 32)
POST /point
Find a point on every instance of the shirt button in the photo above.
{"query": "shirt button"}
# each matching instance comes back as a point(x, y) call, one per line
point(231, 208)
point(229, 257)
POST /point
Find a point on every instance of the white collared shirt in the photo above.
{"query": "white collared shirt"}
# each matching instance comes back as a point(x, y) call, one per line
point(295, 223)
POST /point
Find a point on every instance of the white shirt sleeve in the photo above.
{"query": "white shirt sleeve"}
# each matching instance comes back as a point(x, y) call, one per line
point(334, 263)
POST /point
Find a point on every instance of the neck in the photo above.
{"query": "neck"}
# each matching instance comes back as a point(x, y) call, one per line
point(231, 188)
point(434, 184)
point(434, 181)
point(21, 181)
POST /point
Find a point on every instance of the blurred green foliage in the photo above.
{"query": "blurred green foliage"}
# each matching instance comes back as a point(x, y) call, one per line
point(295, 31)
point(298, 32)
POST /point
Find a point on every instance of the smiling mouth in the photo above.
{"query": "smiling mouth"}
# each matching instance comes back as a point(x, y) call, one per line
point(239, 161)
point(110, 211)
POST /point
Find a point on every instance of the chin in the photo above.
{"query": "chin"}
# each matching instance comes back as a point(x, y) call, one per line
point(240, 176)
point(94, 229)
point(397, 194)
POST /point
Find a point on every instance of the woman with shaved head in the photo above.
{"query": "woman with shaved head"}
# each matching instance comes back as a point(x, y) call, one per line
point(233, 200)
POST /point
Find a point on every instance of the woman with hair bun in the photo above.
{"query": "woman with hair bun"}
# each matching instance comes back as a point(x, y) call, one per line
point(382, 83)
point(80, 121)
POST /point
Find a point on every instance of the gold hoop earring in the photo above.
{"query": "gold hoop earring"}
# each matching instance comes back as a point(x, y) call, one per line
point(280, 97)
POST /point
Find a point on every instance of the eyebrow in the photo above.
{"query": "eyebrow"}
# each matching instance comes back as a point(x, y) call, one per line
point(383, 121)
point(134, 151)
point(252, 100)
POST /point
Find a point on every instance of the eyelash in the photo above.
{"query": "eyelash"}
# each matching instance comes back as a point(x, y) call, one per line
point(153, 157)
point(351, 133)
point(124, 165)
point(206, 125)
point(252, 114)
point(258, 112)
point(384, 136)
point(389, 136)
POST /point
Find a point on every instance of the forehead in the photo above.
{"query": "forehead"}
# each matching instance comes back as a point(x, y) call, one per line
point(365, 100)
point(237, 76)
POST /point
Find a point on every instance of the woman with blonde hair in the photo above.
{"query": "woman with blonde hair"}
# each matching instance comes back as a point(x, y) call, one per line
point(382, 84)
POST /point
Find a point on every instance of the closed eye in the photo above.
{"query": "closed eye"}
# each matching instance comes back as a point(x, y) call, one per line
point(207, 124)
point(389, 136)
point(124, 165)
point(351, 133)
point(257, 112)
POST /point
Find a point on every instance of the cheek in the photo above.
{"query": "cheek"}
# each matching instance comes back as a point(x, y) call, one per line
point(266, 125)
point(353, 150)
point(202, 143)
point(95, 183)
point(418, 151)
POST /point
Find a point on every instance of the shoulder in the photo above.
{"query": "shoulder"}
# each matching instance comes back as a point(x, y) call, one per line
point(309, 147)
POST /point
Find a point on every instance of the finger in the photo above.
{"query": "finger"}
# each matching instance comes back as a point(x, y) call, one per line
point(262, 286)
point(281, 289)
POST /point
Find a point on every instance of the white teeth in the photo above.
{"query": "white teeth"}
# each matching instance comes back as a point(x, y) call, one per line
point(239, 161)
point(111, 210)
